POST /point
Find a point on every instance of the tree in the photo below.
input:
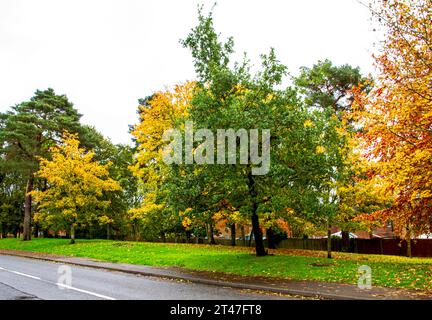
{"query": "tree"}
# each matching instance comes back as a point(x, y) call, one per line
point(232, 98)
point(217, 85)
point(11, 205)
point(27, 132)
point(396, 116)
point(229, 217)
point(76, 185)
point(121, 201)
point(128, 197)
point(198, 196)
point(158, 113)
point(329, 89)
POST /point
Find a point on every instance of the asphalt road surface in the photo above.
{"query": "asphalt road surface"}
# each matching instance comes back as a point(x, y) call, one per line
point(23, 278)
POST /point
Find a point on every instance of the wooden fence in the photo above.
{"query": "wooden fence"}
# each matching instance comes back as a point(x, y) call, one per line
point(419, 247)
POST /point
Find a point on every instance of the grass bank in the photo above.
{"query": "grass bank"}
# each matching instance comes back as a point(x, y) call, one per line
point(390, 271)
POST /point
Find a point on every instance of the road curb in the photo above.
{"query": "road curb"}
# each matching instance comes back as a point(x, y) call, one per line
point(185, 277)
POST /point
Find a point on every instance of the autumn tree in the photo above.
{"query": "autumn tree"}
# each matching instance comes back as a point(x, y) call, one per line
point(76, 185)
point(397, 118)
point(27, 132)
point(121, 201)
point(158, 113)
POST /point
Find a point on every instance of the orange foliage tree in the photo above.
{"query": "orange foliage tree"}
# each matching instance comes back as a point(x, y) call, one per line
point(397, 115)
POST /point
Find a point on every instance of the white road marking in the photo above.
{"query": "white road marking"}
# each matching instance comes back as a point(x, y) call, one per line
point(60, 284)
point(21, 274)
point(85, 291)
point(25, 275)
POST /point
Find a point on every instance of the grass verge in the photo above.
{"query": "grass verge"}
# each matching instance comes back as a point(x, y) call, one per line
point(387, 271)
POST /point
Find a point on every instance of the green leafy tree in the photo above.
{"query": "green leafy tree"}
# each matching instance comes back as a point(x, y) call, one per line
point(11, 204)
point(125, 199)
point(329, 88)
point(328, 93)
point(232, 98)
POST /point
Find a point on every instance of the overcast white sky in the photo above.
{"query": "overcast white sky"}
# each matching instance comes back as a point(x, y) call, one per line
point(105, 54)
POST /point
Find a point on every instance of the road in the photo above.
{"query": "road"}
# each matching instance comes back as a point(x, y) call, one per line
point(23, 278)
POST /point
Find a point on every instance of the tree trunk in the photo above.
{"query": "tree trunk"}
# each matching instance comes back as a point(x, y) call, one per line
point(188, 237)
point(233, 234)
point(36, 230)
point(5, 232)
point(409, 253)
point(27, 210)
point(137, 231)
point(72, 235)
point(329, 253)
point(250, 238)
point(408, 241)
point(259, 243)
point(345, 241)
point(271, 238)
point(108, 231)
point(211, 236)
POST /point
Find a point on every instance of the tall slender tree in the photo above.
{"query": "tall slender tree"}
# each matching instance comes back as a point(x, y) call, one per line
point(328, 89)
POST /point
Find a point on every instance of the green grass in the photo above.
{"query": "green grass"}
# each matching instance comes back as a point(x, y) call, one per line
point(391, 271)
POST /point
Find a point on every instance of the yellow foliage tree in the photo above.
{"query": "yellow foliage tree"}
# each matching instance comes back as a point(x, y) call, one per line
point(76, 186)
point(161, 113)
